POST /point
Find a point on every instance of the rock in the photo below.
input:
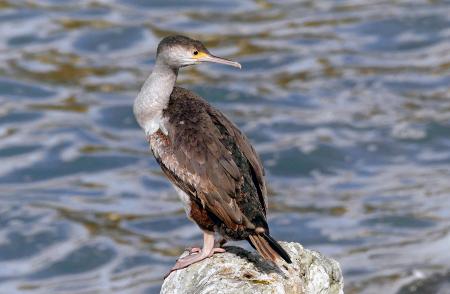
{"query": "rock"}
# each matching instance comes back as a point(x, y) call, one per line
point(240, 271)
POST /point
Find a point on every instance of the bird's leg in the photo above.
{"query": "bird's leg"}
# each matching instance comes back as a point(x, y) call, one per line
point(219, 244)
point(207, 251)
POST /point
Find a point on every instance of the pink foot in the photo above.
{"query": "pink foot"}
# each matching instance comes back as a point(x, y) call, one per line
point(193, 250)
point(207, 251)
point(193, 258)
point(216, 250)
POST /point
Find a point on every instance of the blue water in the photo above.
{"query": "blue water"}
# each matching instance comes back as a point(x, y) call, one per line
point(347, 102)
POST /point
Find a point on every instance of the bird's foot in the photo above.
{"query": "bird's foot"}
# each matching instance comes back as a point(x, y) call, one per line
point(207, 251)
point(216, 250)
point(193, 258)
point(193, 250)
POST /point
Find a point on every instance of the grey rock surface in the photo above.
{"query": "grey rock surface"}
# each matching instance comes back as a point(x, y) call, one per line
point(240, 271)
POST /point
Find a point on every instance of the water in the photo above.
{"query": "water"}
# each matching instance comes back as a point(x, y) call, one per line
point(347, 102)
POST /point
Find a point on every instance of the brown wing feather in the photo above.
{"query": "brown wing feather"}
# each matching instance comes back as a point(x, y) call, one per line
point(249, 152)
point(199, 157)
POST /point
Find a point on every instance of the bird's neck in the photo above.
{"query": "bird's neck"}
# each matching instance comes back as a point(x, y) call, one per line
point(154, 97)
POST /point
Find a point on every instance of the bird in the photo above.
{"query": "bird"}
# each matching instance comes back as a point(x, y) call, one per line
point(215, 170)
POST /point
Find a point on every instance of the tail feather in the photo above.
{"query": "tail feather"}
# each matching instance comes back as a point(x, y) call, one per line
point(277, 247)
point(268, 247)
point(263, 248)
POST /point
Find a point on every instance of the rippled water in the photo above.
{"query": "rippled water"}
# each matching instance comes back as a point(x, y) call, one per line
point(347, 102)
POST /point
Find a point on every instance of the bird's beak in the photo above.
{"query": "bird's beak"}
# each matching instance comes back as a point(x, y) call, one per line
point(205, 57)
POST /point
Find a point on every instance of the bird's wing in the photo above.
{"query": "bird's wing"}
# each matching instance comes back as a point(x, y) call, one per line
point(200, 158)
point(242, 142)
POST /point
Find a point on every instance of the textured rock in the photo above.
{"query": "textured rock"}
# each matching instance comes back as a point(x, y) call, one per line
point(240, 271)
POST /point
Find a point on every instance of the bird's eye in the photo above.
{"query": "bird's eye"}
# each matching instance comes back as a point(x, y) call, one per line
point(195, 52)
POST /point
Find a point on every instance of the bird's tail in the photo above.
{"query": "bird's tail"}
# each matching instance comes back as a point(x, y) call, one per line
point(268, 247)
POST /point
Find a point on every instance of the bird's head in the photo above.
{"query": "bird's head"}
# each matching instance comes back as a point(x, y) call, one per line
point(180, 51)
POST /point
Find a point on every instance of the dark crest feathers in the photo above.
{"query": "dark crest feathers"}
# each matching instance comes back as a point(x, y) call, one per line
point(178, 40)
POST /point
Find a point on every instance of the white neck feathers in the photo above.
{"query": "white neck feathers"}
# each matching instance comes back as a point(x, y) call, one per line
point(154, 98)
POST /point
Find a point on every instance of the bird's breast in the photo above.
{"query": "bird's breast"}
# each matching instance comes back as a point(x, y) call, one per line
point(160, 144)
point(164, 150)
